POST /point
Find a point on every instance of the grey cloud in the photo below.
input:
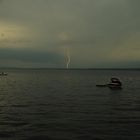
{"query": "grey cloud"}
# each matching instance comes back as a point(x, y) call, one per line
point(134, 7)
point(83, 19)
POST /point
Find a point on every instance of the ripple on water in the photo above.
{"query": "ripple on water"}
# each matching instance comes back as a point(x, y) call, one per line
point(66, 105)
point(7, 134)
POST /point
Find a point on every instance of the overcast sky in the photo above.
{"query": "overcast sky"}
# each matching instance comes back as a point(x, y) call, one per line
point(94, 33)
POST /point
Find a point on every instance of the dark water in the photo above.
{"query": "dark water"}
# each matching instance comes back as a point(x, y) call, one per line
point(66, 105)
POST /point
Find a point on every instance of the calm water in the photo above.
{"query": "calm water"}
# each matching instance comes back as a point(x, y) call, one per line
point(66, 105)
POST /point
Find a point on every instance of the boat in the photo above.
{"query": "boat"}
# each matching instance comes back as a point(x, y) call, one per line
point(3, 74)
point(114, 84)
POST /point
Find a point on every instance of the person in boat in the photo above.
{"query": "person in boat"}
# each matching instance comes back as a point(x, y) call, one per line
point(115, 82)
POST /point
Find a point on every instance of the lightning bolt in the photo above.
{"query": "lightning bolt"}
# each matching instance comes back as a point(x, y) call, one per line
point(68, 58)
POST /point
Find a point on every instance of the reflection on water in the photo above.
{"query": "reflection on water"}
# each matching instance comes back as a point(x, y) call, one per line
point(66, 105)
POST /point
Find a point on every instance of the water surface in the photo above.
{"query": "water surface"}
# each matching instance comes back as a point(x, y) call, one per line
point(66, 105)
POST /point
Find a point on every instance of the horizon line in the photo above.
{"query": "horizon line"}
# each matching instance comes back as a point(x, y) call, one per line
point(70, 68)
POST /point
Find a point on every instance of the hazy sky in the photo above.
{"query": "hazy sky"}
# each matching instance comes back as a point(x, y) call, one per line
point(94, 33)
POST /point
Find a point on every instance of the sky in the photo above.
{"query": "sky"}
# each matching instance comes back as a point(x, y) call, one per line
point(87, 33)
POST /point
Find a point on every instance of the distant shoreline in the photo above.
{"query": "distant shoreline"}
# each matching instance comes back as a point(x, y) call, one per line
point(70, 68)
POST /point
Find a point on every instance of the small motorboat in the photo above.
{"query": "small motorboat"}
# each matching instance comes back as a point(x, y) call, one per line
point(114, 84)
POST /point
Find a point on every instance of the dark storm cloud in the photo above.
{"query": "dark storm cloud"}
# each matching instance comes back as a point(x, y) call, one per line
point(30, 55)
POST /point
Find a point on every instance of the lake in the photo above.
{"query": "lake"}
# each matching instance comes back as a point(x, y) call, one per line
point(66, 105)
